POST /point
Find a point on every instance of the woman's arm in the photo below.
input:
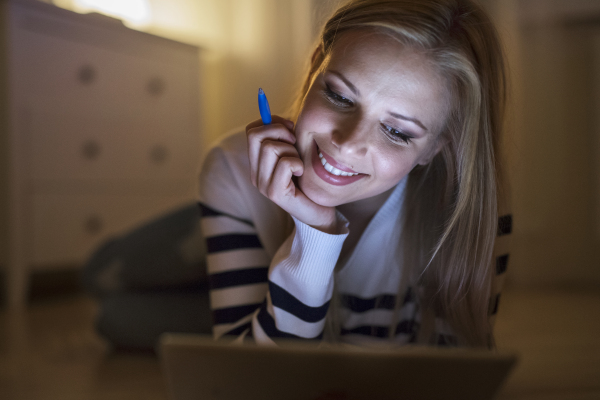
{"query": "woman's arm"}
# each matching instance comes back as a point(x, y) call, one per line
point(237, 270)
point(291, 301)
point(300, 285)
point(247, 300)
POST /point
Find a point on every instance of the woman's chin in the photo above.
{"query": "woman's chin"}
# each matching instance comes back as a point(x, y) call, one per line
point(317, 195)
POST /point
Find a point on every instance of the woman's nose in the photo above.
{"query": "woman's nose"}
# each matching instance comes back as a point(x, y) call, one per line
point(351, 138)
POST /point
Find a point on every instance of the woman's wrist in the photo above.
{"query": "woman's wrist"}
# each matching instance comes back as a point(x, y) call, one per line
point(329, 224)
point(324, 219)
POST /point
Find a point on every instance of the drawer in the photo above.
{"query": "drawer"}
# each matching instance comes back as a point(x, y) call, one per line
point(104, 103)
point(66, 146)
point(75, 75)
point(90, 71)
point(67, 228)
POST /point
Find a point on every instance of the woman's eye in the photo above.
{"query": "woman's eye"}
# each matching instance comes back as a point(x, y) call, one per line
point(337, 99)
point(395, 135)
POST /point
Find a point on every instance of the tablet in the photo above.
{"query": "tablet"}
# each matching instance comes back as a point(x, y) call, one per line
point(197, 367)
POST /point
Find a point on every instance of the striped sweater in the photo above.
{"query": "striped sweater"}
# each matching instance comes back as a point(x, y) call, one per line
point(272, 276)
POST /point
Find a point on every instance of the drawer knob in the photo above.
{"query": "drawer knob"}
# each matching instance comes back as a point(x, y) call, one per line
point(87, 74)
point(90, 150)
point(159, 154)
point(156, 86)
point(93, 224)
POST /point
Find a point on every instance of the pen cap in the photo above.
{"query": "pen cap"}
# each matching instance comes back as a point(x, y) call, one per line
point(263, 107)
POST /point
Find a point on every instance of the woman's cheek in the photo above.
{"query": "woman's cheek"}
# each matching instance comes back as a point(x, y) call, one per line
point(394, 164)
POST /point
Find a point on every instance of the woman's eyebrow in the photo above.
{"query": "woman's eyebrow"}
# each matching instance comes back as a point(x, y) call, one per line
point(413, 120)
point(346, 81)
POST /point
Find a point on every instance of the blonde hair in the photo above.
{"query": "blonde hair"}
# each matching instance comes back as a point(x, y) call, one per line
point(450, 215)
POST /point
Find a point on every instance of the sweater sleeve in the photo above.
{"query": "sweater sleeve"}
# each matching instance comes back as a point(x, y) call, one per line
point(252, 296)
point(237, 271)
point(500, 261)
point(300, 284)
point(237, 263)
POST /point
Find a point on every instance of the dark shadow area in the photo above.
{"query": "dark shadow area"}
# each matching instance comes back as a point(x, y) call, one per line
point(43, 285)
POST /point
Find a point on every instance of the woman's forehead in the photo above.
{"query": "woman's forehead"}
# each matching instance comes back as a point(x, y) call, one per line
point(379, 54)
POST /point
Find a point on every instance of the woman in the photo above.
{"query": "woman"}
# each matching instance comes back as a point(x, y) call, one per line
point(372, 214)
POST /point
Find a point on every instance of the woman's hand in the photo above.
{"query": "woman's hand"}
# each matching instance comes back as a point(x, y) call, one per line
point(273, 162)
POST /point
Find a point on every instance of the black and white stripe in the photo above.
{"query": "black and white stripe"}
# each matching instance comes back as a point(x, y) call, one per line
point(239, 286)
point(245, 302)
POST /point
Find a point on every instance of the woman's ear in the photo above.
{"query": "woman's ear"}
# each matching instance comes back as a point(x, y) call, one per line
point(436, 148)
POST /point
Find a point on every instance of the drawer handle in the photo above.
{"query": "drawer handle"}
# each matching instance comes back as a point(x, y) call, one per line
point(87, 74)
point(93, 224)
point(159, 154)
point(156, 86)
point(90, 150)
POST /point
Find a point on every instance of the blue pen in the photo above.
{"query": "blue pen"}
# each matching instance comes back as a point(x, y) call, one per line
point(263, 106)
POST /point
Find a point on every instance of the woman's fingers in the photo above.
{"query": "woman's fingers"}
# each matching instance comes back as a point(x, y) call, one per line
point(256, 134)
point(270, 154)
point(282, 188)
point(276, 119)
point(257, 137)
point(286, 195)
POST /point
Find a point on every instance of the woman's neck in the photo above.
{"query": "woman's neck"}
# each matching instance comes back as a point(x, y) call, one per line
point(359, 214)
point(365, 208)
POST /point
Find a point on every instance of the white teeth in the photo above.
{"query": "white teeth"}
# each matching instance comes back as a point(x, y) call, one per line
point(333, 170)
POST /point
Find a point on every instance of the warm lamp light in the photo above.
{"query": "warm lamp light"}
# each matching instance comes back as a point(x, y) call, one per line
point(134, 12)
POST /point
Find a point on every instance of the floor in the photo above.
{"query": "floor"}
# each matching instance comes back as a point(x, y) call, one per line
point(557, 334)
point(51, 351)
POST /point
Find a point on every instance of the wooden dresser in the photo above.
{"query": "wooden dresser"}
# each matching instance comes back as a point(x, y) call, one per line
point(102, 131)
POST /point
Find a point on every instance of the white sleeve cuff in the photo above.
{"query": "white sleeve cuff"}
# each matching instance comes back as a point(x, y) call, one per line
point(304, 263)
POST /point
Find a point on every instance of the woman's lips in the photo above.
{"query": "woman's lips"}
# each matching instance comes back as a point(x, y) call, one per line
point(337, 180)
point(334, 163)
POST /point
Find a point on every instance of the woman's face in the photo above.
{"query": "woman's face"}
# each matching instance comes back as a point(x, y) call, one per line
point(373, 114)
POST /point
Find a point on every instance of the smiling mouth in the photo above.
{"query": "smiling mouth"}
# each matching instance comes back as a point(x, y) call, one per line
point(333, 170)
point(338, 175)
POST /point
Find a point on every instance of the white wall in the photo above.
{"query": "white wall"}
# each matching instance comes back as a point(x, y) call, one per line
point(553, 140)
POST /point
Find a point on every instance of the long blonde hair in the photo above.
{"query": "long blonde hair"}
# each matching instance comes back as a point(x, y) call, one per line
point(450, 215)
